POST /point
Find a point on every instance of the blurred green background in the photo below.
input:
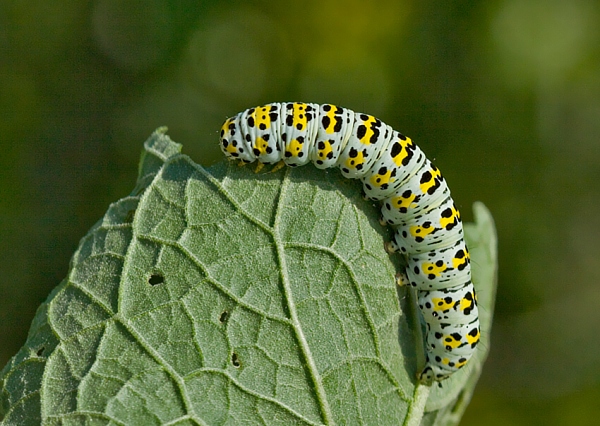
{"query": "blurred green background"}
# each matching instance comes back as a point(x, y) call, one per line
point(504, 95)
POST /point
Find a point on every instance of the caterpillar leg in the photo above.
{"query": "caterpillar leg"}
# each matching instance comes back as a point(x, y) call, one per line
point(390, 247)
point(259, 167)
point(278, 166)
point(401, 279)
point(426, 376)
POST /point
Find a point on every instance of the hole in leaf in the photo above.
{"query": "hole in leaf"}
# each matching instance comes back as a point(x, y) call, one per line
point(235, 360)
point(224, 316)
point(40, 351)
point(156, 279)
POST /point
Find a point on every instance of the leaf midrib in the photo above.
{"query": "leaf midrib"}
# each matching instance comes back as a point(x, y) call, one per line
point(296, 326)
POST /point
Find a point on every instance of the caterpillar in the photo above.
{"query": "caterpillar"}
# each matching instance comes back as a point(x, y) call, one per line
point(415, 202)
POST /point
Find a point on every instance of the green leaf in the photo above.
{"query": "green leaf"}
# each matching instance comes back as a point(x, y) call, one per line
point(226, 296)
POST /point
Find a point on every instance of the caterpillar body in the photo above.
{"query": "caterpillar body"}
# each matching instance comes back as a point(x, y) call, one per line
point(415, 200)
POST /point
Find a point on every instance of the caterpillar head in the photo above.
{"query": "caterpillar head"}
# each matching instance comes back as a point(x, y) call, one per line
point(233, 143)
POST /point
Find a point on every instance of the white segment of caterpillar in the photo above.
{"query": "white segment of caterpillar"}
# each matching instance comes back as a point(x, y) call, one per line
point(415, 199)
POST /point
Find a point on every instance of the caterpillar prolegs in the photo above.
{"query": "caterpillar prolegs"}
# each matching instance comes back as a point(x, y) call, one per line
point(415, 200)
